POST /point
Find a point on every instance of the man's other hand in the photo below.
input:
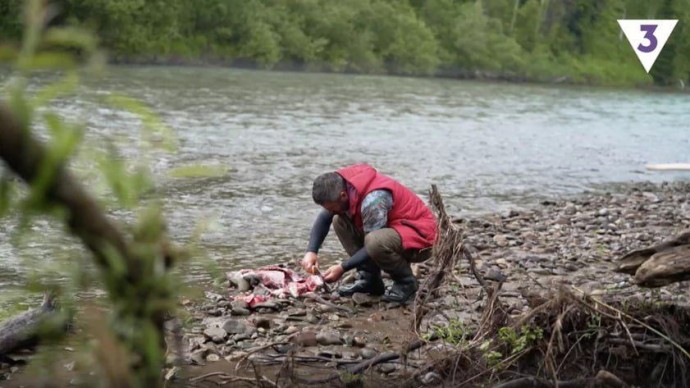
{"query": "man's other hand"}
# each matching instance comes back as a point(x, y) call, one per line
point(310, 263)
point(333, 273)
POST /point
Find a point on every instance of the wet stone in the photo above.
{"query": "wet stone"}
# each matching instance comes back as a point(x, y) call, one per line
point(307, 338)
point(234, 326)
point(238, 311)
point(362, 299)
point(325, 309)
point(239, 304)
point(387, 368)
point(571, 267)
point(199, 357)
point(431, 378)
point(349, 355)
point(214, 296)
point(500, 240)
point(563, 221)
point(267, 306)
point(359, 341)
point(284, 348)
point(244, 345)
point(329, 337)
point(195, 342)
point(311, 318)
point(330, 353)
point(241, 337)
point(297, 313)
point(215, 334)
point(367, 353)
point(262, 323)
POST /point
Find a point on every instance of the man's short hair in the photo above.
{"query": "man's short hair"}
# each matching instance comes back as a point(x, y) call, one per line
point(327, 187)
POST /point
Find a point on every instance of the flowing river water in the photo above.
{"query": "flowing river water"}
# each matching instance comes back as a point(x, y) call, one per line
point(488, 146)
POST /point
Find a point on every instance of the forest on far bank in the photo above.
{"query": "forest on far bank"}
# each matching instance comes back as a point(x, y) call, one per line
point(574, 41)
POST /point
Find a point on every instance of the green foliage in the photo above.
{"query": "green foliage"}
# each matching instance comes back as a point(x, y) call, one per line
point(454, 333)
point(140, 284)
point(196, 171)
point(577, 41)
point(509, 342)
point(518, 342)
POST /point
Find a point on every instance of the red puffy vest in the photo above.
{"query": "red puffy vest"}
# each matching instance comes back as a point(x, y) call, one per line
point(409, 216)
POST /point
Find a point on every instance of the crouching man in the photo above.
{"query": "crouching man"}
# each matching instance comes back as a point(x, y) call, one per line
point(381, 224)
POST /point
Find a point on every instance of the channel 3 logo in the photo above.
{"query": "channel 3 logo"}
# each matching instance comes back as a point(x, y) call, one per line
point(647, 37)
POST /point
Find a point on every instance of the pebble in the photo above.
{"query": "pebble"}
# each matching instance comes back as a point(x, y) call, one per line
point(431, 378)
point(501, 240)
point(238, 311)
point(362, 299)
point(349, 355)
point(215, 334)
point(262, 322)
point(367, 353)
point(305, 338)
point(330, 353)
point(234, 326)
point(297, 313)
point(313, 319)
point(329, 337)
point(267, 306)
point(198, 357)
point(562, 242)
point(387, 368)
point(172, 373)
point(359, 341)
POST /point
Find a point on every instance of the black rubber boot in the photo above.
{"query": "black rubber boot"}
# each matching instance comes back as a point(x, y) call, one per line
point(404, 286)
point(369, 281)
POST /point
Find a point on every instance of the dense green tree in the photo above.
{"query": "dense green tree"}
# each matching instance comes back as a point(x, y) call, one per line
point(668, 68)
point(577, 40)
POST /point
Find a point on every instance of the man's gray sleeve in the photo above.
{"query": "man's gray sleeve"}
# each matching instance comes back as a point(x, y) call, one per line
point(319, 230)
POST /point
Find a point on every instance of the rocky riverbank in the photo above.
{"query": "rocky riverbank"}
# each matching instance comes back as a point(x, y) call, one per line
point(573, 242)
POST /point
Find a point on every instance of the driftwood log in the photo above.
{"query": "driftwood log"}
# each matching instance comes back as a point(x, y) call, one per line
point(660, 264)
point(21, 330)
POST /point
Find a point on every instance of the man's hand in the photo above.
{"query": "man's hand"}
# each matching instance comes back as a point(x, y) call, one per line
point(310, 263)
point(333, 273)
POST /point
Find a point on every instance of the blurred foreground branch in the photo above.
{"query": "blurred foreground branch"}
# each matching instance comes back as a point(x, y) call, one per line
point(135, 271)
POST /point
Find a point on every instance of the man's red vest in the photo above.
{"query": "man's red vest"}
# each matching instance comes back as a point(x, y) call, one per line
point(409, 216)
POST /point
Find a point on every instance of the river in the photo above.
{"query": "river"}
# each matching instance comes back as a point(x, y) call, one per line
point(488, 146)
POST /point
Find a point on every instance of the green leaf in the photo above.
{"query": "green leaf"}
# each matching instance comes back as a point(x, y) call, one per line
point(70, 37)
point(197, 171)
point(155, 131)
point(48, 60)
point(67, 85)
